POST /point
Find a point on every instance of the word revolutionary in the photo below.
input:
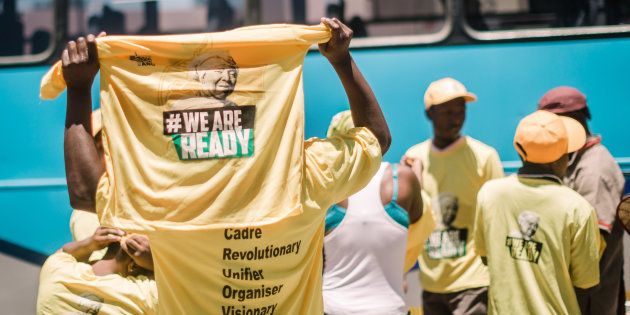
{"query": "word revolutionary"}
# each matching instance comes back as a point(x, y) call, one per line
point(243, 310)
point(250, 294)
point(211, 133)
point(244, 274)
point(261, 253)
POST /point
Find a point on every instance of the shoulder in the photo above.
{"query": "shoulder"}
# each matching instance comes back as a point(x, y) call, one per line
point(419, 149)
point(480, 149)
point(56, 262)
point(496, 188)
point(598, 160)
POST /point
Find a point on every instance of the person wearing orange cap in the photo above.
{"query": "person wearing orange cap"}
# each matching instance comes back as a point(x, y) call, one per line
point(537, 236)
point(454, 167)
point(595, 175)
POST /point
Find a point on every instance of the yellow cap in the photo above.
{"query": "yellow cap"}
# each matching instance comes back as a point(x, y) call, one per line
point(544, 137)
point(340, 123)
point(444, 90)
point(97, 123)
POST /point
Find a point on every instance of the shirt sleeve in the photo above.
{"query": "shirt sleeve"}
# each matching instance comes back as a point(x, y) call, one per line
point(418, 233)
point(602, 194)
point(585, 245)
point(493, 167)
point(339, 166)
point(478, 234)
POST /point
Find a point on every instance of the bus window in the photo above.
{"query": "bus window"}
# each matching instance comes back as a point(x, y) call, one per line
point(27, 29)
point(546, 17)
point(368, 18)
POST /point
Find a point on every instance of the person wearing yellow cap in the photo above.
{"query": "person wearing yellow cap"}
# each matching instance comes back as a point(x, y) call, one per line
point(120, 283)
point(364, 272)
point(454, 167)
point(538, 237)
point(594, 174)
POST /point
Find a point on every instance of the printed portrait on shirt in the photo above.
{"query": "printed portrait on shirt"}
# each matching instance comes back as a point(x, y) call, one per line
point(446, 241)
point(520, 244)
point(201, 119)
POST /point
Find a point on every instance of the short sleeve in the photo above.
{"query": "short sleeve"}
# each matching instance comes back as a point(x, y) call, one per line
point(478, 236)
point(585, 244)
point(339, 166)
point(418, 233)
point(55, 262)
point(602, 194)
point(493, 166)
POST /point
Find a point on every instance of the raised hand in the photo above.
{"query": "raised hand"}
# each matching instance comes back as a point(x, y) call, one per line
point(103, 236)
point(139, 249)
point(336, 49)
point(80, 62)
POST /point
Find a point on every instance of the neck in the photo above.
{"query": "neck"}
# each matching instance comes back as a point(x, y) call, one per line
point(107, 267)
point(536, 169)
point(442, 143)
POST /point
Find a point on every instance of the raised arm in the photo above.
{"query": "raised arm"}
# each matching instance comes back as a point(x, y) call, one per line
point(83, 165)
point(363, 104)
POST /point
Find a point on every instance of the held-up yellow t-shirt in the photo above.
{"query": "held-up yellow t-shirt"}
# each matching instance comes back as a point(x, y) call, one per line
point(541, 239)
point(452, 178)
point(70, 287)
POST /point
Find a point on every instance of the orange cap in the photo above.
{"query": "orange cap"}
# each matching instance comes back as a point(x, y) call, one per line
point(544, 137)
point(444, 90)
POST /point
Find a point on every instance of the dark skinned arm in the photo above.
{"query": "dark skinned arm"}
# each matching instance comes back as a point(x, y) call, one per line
point(83, 164)
point(364, 107)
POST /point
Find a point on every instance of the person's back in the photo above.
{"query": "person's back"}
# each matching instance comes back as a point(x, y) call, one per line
point(365, 245)
point(534, 228)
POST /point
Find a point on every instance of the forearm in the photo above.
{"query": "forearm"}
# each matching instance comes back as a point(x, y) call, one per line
point(81, 250)
point(365, 109)
point(83, 166)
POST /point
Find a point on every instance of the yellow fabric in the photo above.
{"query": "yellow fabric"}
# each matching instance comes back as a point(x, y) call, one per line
point(419, 233)
point(194, 211)
point(163, 170)
point(83, 224)
point(459, 171)
point(70, 287)
point(194, 269)
point(534, 272)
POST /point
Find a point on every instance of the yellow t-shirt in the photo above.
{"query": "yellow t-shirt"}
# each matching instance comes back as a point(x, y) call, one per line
point(70, 287)
point(452, 178)
point(541, 239)
point(83, 224)
point(273, 268)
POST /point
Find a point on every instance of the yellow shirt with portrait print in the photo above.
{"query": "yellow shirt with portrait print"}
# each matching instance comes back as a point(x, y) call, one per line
point(448, 261)
point(541, 240)
point(70, 287)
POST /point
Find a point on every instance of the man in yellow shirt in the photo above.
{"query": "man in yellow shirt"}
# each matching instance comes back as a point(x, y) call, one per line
point(538, 237)
point(120, 283)
point(454, 167)
point(240, 271)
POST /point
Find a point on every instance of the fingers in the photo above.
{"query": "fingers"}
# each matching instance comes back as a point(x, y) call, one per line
point(82, 49)
point(101, 34)
point(72, 51)
point(112, 231)
point(65, 58)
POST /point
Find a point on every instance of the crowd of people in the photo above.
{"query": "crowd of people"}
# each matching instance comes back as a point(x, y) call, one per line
point(542, 241)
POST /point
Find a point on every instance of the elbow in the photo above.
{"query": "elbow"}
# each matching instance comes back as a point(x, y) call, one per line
point(82, 198)
point(385, 141)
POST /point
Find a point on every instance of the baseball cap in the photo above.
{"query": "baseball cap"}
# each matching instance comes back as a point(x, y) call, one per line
point(544, 137)
point(340, 123)
point(444, 90)
point(97, 123)
point(563, 99)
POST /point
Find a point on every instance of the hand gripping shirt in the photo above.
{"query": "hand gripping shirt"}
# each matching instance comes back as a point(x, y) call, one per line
point(451, 179)
point(541, 240)
point(70, 287)
point(204, 150)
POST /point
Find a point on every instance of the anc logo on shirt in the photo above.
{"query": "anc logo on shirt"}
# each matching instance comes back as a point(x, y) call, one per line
point(203, 123)
point(520, 244)
point(446, 241)
point(90, 303)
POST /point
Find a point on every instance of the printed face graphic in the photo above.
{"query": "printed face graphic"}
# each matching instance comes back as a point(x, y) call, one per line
point(449, 205)
point(528, 223)
point(218, 83)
